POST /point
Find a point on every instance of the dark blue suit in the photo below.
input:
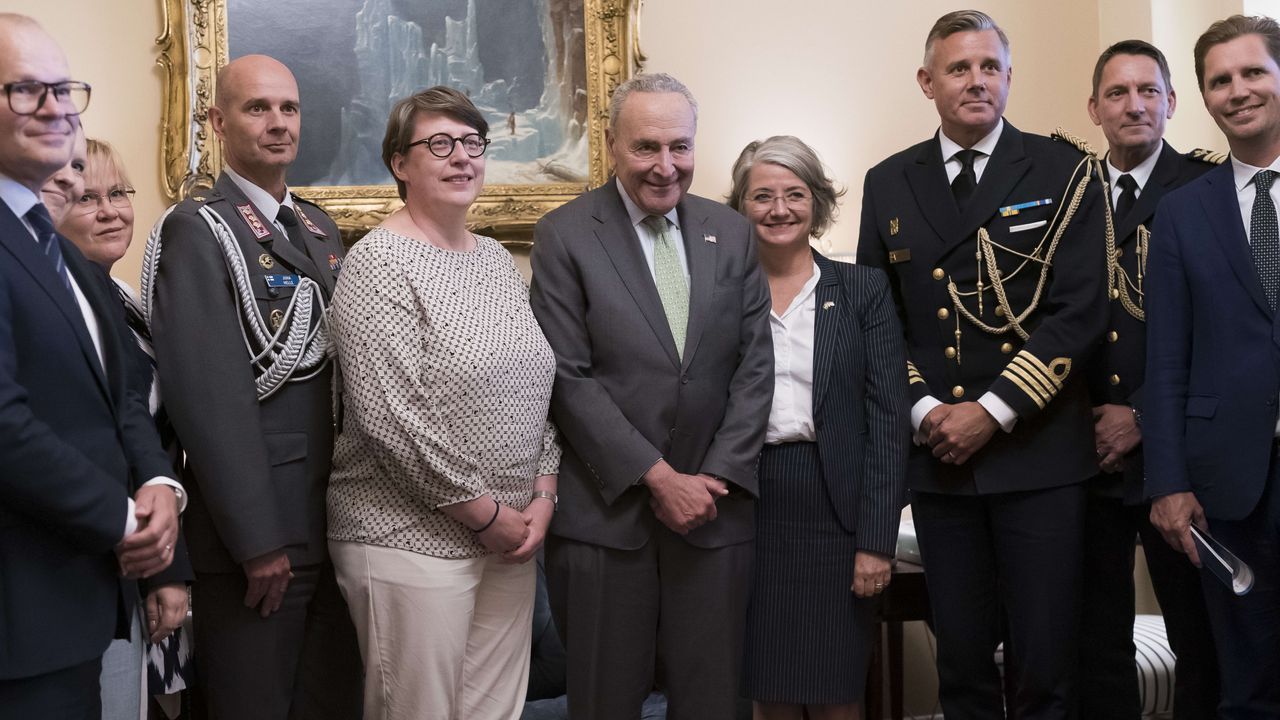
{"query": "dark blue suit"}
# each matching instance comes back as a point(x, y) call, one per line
point(1213, 375)
point(75, 442)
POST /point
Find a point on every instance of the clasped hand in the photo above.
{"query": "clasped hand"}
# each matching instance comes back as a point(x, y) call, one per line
point(683, 502)
point(1115, 433)
point(149, 549)
point(956, 432)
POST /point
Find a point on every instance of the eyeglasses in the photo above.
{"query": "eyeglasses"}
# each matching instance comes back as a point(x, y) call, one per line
point(441, 144)
point(119, 198)
point(793, 199)
point(28, 96)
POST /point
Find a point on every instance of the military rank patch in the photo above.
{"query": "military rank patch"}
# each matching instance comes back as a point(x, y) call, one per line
point(310, 225)
point(893, 226)
point(251, 219)
point(1039, 381)
point(1208, 156)
point(913, 375)
point(900, 256)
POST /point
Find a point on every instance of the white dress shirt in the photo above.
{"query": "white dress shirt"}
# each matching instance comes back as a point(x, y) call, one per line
point(1140, 174)
point(20, 200)
point(648, 239)
point(791, 416)
point(262, 199)
point(1246, 192)
point(1004, 415)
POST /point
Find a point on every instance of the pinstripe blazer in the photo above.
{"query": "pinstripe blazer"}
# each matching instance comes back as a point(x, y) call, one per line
point(860, 408)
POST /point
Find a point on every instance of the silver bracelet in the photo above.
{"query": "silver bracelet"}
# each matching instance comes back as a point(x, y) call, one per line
point(555, 501)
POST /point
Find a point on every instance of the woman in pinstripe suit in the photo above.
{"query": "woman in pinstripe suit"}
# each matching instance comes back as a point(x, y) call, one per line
point(831, 472)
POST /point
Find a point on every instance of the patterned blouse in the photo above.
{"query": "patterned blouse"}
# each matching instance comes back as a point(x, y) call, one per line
point(446, 382)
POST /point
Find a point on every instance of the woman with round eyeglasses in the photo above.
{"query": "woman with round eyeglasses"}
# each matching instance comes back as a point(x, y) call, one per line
point(832, 471)
point(99, 221)
point(444, 472)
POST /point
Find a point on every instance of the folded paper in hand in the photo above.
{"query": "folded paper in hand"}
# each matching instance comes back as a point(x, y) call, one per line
point(1217, 559)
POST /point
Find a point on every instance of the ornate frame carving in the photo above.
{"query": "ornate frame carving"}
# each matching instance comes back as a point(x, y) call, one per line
point(193, 46)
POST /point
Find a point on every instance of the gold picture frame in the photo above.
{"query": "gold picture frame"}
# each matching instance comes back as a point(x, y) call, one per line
point(193, 46)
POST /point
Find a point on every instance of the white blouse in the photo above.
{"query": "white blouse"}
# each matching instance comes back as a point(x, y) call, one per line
point(791, 417)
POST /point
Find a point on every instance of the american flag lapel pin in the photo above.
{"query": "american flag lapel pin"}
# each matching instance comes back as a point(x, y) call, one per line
point(828, 304)
point(710, 238)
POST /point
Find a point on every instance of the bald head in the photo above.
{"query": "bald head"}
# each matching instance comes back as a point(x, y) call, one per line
point(35, 146)
point(256, 114)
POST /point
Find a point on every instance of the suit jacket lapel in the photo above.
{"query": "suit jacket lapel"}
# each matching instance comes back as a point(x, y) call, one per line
point(618, 238)
point(106, 308)
point(15, 238)
point(702, 255)
point(1163, 176)
point(928, 181)
point(1006, 166)
point(277, 243)
point(317, 253)
point(826, 328)
point(1221, 202)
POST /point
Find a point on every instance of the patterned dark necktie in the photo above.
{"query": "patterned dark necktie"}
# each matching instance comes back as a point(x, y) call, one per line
point(1264, 236)
point(47, 240)
point(1128, 195)
point(963, 185)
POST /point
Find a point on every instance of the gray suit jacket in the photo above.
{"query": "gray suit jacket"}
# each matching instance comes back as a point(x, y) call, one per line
point(256, 472)
point(623, 398)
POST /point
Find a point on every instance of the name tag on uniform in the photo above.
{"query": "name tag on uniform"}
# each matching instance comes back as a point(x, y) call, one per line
point(1010, 210)
point(900, 256)
point(281, 281)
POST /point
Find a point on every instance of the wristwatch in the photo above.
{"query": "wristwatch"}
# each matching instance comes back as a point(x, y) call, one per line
point(1137, 417)
point(555, 501)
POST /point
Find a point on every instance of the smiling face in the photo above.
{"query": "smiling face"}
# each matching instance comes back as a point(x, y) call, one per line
point(258, 118)
point(1132, 105)
point(454, 181)
point(66, 186)
point(967, 79)
point(780, 205)
point(652, 148)
point(1241, 88)
point(33, 147)
point(101, 230)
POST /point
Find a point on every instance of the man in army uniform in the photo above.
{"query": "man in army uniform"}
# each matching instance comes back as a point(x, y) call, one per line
point(245, 375)
point(1132, 99)
point(991, 237)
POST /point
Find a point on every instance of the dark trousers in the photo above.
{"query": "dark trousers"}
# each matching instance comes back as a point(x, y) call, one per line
point(301, 662)
point(1247, 628)
point(668, 609)
point(1108, 682)
point(1018, 552)
point(69, 694)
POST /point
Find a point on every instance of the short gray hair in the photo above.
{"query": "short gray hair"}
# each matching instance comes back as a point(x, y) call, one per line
point(648, 83)
point(963, 21)
point(789, 152)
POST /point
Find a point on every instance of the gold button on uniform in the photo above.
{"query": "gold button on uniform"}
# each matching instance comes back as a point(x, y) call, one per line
point(938, 274)
point(1006, 348)
point(957, 391)
point(1113, 336)
point(949, 352)
point(1115, 379)
point(943, 313)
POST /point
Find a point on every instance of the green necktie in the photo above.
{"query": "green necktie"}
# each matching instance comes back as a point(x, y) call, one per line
point(669, 276)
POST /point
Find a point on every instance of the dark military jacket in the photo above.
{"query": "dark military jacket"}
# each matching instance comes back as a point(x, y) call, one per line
point(1117, 368)
point(257, 470)
point(912, 228)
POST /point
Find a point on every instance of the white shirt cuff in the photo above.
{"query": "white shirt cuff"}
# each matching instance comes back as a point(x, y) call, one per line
point(130, 523)
point(922, 408)
point(178, 490)
point(1006, 416)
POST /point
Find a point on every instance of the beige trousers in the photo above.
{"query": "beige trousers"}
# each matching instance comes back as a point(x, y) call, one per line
point(441, 639)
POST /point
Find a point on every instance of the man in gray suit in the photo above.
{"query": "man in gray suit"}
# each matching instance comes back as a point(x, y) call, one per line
point(658, 313)
point(273, 635)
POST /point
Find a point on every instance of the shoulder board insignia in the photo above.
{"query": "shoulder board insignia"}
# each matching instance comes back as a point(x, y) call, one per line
point(1080, 143)
point(310, 225)
point(251, 219)
point(1208, 156)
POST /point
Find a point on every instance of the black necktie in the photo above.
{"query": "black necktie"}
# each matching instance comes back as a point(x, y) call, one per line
point(1264, 237)
point(289, 220)
point(963, 185)
point(1128, 195)
point(47, 240)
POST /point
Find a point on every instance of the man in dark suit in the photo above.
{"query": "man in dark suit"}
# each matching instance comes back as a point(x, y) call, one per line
point(991, 237)
point(658, 314)
point(86, 503)
point(1131, 101)
point(1213, 365)
point(273, 632)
